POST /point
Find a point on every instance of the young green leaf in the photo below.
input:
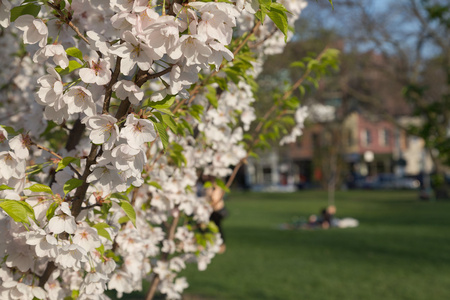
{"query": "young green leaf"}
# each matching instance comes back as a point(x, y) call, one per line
point(162, 134)
point(222, 185)
point(19, 211)
point(5, 187)
point(129, 211)
point(101, 230)
point(168, 120)
point(280, 19)
point(40, 188)
point(26, 9)
point(66, 161)
point(72, 184)
point(75, 52)
point(155, 184)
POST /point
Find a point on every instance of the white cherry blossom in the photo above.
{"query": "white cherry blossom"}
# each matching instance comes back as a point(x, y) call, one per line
point(103, 130)
point(127, 89)
point(99, 72)
point(138, 131)
point(79, 99)
point(35, 31)
point(56, 51)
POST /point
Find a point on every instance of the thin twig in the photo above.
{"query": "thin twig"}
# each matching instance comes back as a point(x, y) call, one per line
point(66, 20)
point(58, 156)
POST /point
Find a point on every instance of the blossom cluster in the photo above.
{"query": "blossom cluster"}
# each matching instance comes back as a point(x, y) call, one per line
point(103, 143)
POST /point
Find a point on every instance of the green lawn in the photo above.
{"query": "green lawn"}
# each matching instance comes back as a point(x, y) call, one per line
point(401, 250)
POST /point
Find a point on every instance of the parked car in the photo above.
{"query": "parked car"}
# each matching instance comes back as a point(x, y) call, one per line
point(387, 181)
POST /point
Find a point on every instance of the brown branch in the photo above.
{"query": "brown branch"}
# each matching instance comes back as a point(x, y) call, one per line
point(67, 20)
point(113, 80)
point(140, 78)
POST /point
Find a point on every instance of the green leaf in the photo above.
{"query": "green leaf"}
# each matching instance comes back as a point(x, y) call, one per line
point(123, 219)
point(129, 211)
point(19, 211)
point(119, 196)
point(265, 4)
point(27, 9)
point(298, 64)
point(9, 130)
point(207, 184)
point(40, 188)
point(72, 184)
point(164, 104)
point(51, 210)
point(168, 120)
point(261, 16)
point(280, 19)
point(5, 187)
point(102, 231)
point(161, 128)
point(222, 185)
point(278, 6)
point(155, 184)
point(212, 96)
point(75, 52)
point(66, 161)
point(73, 65)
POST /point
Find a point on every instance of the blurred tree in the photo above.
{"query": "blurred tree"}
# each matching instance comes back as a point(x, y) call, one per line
point(395, 61)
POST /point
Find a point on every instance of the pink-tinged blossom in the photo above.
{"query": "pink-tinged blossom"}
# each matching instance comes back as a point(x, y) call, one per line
point(11, 165)
point(127, 89)
point(94, 284)
point(220, 52)
point(79, 99)
point(121, 282)
point(3, 135)
point(126, 158)
point(20, 144)
point(217, 20)
point(51, 90)
point(99, 72)
point(62, 221)
point(138, 131)
point(164, 35)
point(21, 291)
point(143, 17)
point(87, 238)
point(133, 52)
point(71, 256)
point(103, 130)
point(34, 30)
point(54, 50)
point(250, 6)
point(98, 42)
point(45, 244)
point(195, 50)
point(107, 178)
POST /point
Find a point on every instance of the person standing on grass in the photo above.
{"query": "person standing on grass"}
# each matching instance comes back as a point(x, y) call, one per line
point(215, 198)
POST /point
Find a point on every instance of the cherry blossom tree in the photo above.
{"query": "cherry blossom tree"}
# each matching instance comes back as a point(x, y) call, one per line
point(110, 111)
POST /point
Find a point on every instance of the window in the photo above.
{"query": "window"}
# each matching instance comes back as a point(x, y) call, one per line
point(384, 137)
point(366, 137)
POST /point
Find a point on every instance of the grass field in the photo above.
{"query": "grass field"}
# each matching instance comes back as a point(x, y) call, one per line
point(401, 250)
